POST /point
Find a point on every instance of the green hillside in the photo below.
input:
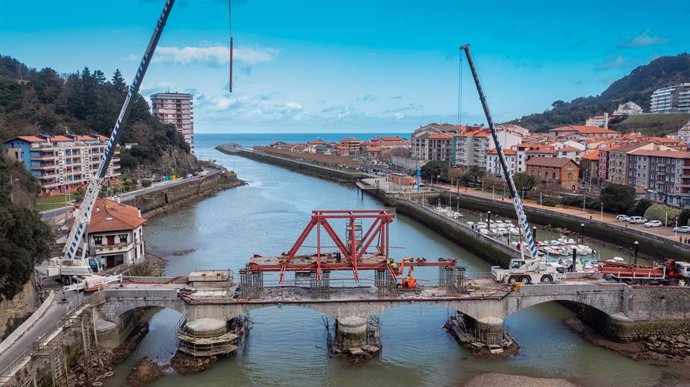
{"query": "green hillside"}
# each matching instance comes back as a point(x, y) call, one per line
point(43, 101)
point(636, 87)
point(651, 124)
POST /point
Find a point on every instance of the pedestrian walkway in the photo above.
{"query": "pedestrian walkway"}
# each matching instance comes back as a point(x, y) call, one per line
point(666, 232)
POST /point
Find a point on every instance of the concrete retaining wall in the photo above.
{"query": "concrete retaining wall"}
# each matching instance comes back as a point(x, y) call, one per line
point(28, 323)
point(178, 193)
point(491, 250)
point(299, 166)
point(651, 245)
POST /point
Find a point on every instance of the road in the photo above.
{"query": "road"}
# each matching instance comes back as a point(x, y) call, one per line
point(50, 214)
point(666, 232)
point(43, 326)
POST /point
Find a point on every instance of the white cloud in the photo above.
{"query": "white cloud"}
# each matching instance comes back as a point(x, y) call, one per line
point(611, 62)
point(399, 116)
point(244, 56)
point(292, 105)
point(643, 40)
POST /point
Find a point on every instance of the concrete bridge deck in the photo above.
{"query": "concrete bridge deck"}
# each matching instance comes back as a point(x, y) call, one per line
point(485, 298)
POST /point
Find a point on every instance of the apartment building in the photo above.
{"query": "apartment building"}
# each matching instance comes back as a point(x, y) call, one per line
point(664, 174)
point(175, 109)
point(420, 138)
point(619, 163)
point(61, 163)
point(589, 169)
point(471, 146)
point(493, 164)
point(671, 99)
point(575, 132)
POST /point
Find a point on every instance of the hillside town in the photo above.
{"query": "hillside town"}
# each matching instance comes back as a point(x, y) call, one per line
point(572, 159)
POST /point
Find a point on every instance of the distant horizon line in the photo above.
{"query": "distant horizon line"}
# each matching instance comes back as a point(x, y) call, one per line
point(300, 132)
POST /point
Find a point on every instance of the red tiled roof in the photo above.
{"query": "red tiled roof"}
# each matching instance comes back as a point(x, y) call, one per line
point(542, 151)
point(28, 139)
point(508, 152)
point(569, 149)
point(662, 153)
point(594, 156)
point(556, 162)
point(445, 136)
point(108, 215)
point(582, 129)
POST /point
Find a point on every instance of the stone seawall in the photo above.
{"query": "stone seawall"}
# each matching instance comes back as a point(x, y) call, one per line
point(489, 249)
point(652, 245)
point(337, 175)
point(154, 203)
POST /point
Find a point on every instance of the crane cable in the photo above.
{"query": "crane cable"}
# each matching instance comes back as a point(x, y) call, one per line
point(460, 88)
point(231, 45)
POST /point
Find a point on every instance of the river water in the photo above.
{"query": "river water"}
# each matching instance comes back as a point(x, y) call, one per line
point(287, 345)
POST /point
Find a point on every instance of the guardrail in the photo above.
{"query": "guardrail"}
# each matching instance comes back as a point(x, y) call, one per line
point(26, 325)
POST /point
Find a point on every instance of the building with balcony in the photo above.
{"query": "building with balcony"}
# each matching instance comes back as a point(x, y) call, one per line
point(116, 233)
point(62, 163)
point(671, 99)
point(493, 164)
point(664, 174)
point(175, 109)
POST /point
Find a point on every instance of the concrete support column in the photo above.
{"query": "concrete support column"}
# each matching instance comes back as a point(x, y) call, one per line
point(356, 336)
point(484, 335)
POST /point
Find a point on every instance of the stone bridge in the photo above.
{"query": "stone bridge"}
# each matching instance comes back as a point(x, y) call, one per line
point(632, 311)
point(613, 300)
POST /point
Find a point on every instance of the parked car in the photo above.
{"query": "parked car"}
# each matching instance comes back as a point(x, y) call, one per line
point(682, 229)
point(637, 220)
point(653, 223)
point(623, 218)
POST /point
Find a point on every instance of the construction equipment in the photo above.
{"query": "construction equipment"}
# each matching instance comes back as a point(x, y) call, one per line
point(72, 268)
point(533, 269)
point(408, 282)
point(668, 273)
point(93, 283)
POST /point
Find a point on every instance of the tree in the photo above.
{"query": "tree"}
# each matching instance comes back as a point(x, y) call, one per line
point(524, 181)
point(640, 207)
point(617, 198)
point(662, 213)
point(684, 218)
point(434, 169)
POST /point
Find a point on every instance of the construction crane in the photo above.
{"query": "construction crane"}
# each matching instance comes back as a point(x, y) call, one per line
point(533, 269)
point(70, 267)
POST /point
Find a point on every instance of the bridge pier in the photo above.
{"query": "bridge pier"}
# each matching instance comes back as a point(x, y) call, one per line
point(111, 331)
point(485, 335)
point(356, 337)
point(204, 337)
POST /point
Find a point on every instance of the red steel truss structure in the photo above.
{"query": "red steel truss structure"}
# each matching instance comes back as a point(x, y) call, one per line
point(367, 251)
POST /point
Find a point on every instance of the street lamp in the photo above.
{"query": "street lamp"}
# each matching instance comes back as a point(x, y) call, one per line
point(601, 213)
point(636, 246)
point(582, 232)
point(488, 219)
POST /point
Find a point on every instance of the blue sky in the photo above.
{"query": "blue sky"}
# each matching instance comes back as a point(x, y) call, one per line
point(359, 66)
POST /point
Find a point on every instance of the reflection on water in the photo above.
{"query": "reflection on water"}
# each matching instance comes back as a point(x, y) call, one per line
point(287, 345)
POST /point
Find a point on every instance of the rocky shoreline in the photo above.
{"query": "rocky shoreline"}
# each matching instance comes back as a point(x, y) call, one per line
point(669, 352)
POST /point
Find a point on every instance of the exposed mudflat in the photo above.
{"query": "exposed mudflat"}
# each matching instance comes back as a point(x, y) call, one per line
point(494, 379)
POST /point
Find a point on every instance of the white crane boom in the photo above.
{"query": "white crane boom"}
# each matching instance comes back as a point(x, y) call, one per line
point(83, 214)
point(517, 203)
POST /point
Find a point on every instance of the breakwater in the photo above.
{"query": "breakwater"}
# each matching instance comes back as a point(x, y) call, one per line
point(333, 174)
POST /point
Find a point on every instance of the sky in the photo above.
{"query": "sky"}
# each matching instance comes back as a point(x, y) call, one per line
point(352, 66)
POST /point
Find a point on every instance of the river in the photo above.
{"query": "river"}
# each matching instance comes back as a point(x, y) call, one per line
point(287, 345)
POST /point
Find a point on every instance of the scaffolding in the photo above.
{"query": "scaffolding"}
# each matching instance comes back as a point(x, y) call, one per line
point(453, 278)
point(251, 283)
point(320, 288)
point(385, 283)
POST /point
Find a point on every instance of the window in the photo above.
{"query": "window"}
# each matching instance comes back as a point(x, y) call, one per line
point(553, 175)
point(570, 175)
point(123, 238)
point(97, 240)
